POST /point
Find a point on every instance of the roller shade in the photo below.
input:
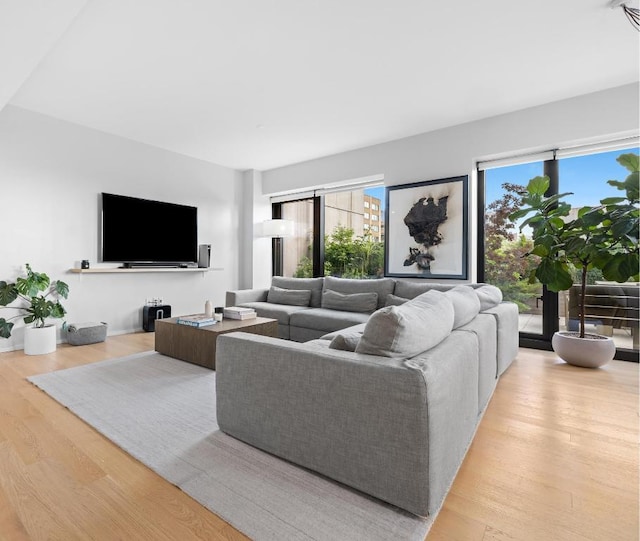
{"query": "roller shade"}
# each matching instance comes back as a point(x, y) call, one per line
point(566, 152)
point(332, 188)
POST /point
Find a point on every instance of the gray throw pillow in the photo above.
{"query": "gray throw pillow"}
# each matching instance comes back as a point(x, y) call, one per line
point(466, 304)
point(394, 300)
point(354, 302)
point(346, 341)
point(489, 296)
point(313, 284)
point(405, 331)
point(293, 297)
point(381, 286)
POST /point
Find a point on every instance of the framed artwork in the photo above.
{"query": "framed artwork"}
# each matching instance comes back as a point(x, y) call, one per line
point(426, 229)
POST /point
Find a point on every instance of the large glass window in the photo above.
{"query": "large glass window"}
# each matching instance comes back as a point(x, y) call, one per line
point(611, 308)
point(353, 247)
point(334, 235)
point(297, 251)
point(505, 244)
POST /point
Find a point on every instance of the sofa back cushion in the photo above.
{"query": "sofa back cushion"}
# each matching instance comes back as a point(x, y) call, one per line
point(349, 302)
point(381, 286)
point(394, 300)
point(312, 284)
point(489, 296)
point(466, 304)
point(292, 297)
point(347, 341)
point(409, 329)
point(410, 290)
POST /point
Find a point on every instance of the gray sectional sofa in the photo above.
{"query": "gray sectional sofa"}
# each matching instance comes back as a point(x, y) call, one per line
point(385, 398)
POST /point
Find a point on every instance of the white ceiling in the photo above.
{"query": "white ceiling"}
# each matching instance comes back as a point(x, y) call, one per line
point(258, 84)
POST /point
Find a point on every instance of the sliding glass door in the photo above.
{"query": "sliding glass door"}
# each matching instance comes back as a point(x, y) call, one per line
point(611, 308)
point(504, 245)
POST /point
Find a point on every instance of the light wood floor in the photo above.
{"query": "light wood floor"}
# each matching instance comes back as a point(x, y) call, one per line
point(555, 458)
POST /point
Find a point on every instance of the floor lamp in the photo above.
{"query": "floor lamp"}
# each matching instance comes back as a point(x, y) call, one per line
point(277, 230)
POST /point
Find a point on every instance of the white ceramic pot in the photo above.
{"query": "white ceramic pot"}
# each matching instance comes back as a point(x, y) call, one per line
point(592, 351)
point(40, 340)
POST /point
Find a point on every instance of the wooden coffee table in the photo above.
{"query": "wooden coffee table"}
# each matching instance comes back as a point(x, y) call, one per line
point(198, 345)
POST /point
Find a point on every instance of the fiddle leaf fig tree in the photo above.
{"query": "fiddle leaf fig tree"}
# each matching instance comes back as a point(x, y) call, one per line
point(603, 237)
point(39, 296)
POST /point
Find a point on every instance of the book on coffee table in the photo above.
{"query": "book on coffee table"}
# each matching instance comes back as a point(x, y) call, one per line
point(237, 312)
point(196, 320)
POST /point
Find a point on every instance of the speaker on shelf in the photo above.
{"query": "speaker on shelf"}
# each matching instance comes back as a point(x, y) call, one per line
point(152, 312)
point(204, 256)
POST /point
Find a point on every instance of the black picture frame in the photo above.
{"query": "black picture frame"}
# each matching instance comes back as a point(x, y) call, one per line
point(427, 229)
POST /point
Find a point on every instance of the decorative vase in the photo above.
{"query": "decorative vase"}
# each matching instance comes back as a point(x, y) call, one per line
point(39, 340)
point(592, 351)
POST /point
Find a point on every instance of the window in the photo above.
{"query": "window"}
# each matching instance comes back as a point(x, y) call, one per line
point(374, 206)
point(366, 215)
point(374, 217)
point(500, 244)
point(297, 252)
point(611, 307)
point(332, 237)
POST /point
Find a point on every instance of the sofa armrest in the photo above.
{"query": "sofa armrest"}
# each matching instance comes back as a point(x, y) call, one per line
point(240, 296)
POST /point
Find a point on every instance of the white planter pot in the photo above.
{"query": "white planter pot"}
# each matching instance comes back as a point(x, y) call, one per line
point(592, 351)
point(39, 340)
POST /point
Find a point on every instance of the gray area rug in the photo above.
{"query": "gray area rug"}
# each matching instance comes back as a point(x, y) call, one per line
point(162, 412)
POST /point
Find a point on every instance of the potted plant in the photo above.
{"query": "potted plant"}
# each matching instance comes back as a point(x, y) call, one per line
point(40, 300)
point(603, 237)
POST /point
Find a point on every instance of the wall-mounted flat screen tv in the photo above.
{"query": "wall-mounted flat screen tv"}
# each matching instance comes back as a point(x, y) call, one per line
point(143, 232)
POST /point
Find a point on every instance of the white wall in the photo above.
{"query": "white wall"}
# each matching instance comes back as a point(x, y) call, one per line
point(51, 175)
point(255, 269)
point(454, 151)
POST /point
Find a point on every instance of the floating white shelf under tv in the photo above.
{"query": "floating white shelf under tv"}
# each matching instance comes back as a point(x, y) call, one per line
point(143, 269)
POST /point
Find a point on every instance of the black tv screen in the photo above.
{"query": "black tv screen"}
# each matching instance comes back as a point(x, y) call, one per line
point(135, 230)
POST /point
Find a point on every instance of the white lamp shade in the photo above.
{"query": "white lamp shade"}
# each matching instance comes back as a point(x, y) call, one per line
point(277, 228)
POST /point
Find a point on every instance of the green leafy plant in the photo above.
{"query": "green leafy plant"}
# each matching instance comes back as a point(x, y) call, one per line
point(39, 296)
point(603, 237)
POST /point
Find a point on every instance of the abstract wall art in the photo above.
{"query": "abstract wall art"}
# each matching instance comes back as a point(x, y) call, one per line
point(426, 229)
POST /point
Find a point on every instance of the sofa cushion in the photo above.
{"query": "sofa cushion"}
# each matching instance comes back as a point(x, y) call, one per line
point(293, 297)
point(410, 290)
point(405, 331)
point(345, 341)
point(394, 300)
point(313, 284)
point(466, 304)
point(349, 302)
point(381, 286)
point(489, 296)
point(324, 320)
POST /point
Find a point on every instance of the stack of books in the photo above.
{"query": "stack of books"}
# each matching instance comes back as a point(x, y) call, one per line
point(196, 320)
point(237, 312)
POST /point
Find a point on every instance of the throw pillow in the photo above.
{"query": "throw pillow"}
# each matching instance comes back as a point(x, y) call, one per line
point(346, 341)
point(293, 297)
point(354, 302)
point(409, 329)
point(466, 304)
point(313, 284)
point(381, 286)
point(394, 300)
point(489, 296)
